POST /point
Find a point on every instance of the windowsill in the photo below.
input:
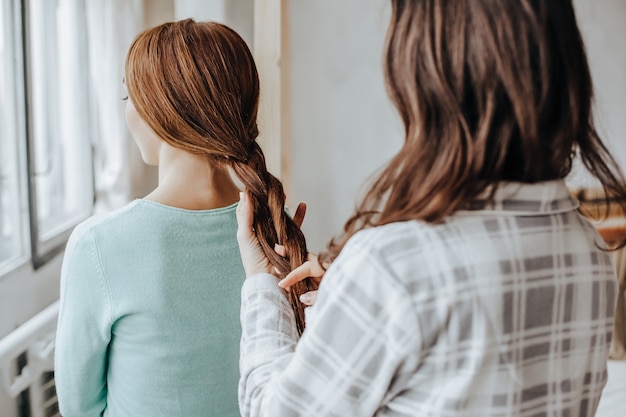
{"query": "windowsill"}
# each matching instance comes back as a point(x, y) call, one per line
point(10, 267)
point(24, 292)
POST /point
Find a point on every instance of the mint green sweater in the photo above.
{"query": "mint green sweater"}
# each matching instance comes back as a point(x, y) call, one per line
point(149, 315)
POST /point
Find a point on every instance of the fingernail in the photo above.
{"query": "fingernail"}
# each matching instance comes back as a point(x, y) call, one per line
point(242, 196)
point(281, 284)
point(306, 298)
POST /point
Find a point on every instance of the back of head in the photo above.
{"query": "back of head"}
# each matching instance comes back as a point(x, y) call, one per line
point(488, 91)
point(502, 86)
point(196, 86)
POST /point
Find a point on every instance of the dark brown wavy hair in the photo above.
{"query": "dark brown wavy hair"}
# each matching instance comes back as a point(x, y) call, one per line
point(488, 91)
point(196, 86)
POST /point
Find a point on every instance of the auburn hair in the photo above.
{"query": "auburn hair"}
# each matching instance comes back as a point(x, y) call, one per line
point(196, 86)
point(488, 91)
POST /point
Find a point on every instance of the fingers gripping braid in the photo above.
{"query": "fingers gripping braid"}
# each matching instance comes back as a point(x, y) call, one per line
point(273, 226)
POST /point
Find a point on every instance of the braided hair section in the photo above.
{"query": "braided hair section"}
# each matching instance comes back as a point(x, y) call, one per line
point(273, 226)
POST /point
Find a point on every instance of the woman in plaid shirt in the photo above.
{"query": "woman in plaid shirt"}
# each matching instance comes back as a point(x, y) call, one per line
point(466, 283)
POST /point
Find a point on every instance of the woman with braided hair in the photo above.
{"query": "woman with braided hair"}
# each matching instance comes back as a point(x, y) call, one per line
point(150, 293)
point(467, 283)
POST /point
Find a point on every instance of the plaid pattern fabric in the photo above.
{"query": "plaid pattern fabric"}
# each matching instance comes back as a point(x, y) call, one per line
point(505, 309)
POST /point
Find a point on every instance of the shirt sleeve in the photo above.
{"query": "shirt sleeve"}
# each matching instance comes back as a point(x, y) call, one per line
point(349, 360)
point(84, 330)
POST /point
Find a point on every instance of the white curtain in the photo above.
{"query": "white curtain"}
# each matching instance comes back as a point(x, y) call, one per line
point(120, 174)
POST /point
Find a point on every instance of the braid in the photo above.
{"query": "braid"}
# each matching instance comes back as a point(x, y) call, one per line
point(273, 226)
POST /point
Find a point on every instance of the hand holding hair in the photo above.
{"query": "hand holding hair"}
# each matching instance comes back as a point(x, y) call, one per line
point(252, 256)
point(309, 269)
point(255, 261)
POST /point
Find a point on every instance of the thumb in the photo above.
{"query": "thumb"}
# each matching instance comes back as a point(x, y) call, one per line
point(245, 217)
point(252, 257)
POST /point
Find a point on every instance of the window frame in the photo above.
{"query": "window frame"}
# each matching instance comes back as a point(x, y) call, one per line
point(14, 17)
point(42, 251)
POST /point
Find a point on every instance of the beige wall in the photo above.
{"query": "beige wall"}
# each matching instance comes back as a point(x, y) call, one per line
point(602, 25)
point(237, 14)
point(344, 127)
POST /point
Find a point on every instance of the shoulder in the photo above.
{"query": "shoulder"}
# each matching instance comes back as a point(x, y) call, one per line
point(382, 250)
point(83, 233)
point(390, 239)
point(82, 260)
point(406, 255)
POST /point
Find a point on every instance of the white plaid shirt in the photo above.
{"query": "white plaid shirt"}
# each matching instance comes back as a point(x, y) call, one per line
point(506, 310)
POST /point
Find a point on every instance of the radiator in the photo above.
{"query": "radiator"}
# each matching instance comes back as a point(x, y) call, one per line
point(31, 346)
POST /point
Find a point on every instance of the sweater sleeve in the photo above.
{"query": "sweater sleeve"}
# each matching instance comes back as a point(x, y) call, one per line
point(347, 358)
point(84, 330)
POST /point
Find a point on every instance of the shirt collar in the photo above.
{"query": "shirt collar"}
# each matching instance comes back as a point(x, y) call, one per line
point(521, 199)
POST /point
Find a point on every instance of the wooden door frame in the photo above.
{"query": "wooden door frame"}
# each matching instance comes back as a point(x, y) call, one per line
point(272, 60)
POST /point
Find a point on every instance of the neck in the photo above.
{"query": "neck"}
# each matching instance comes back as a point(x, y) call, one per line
point(191, 182)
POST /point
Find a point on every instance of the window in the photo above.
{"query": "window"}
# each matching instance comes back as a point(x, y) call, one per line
point(13, 225)
point(46, 173)
point(60, 156)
